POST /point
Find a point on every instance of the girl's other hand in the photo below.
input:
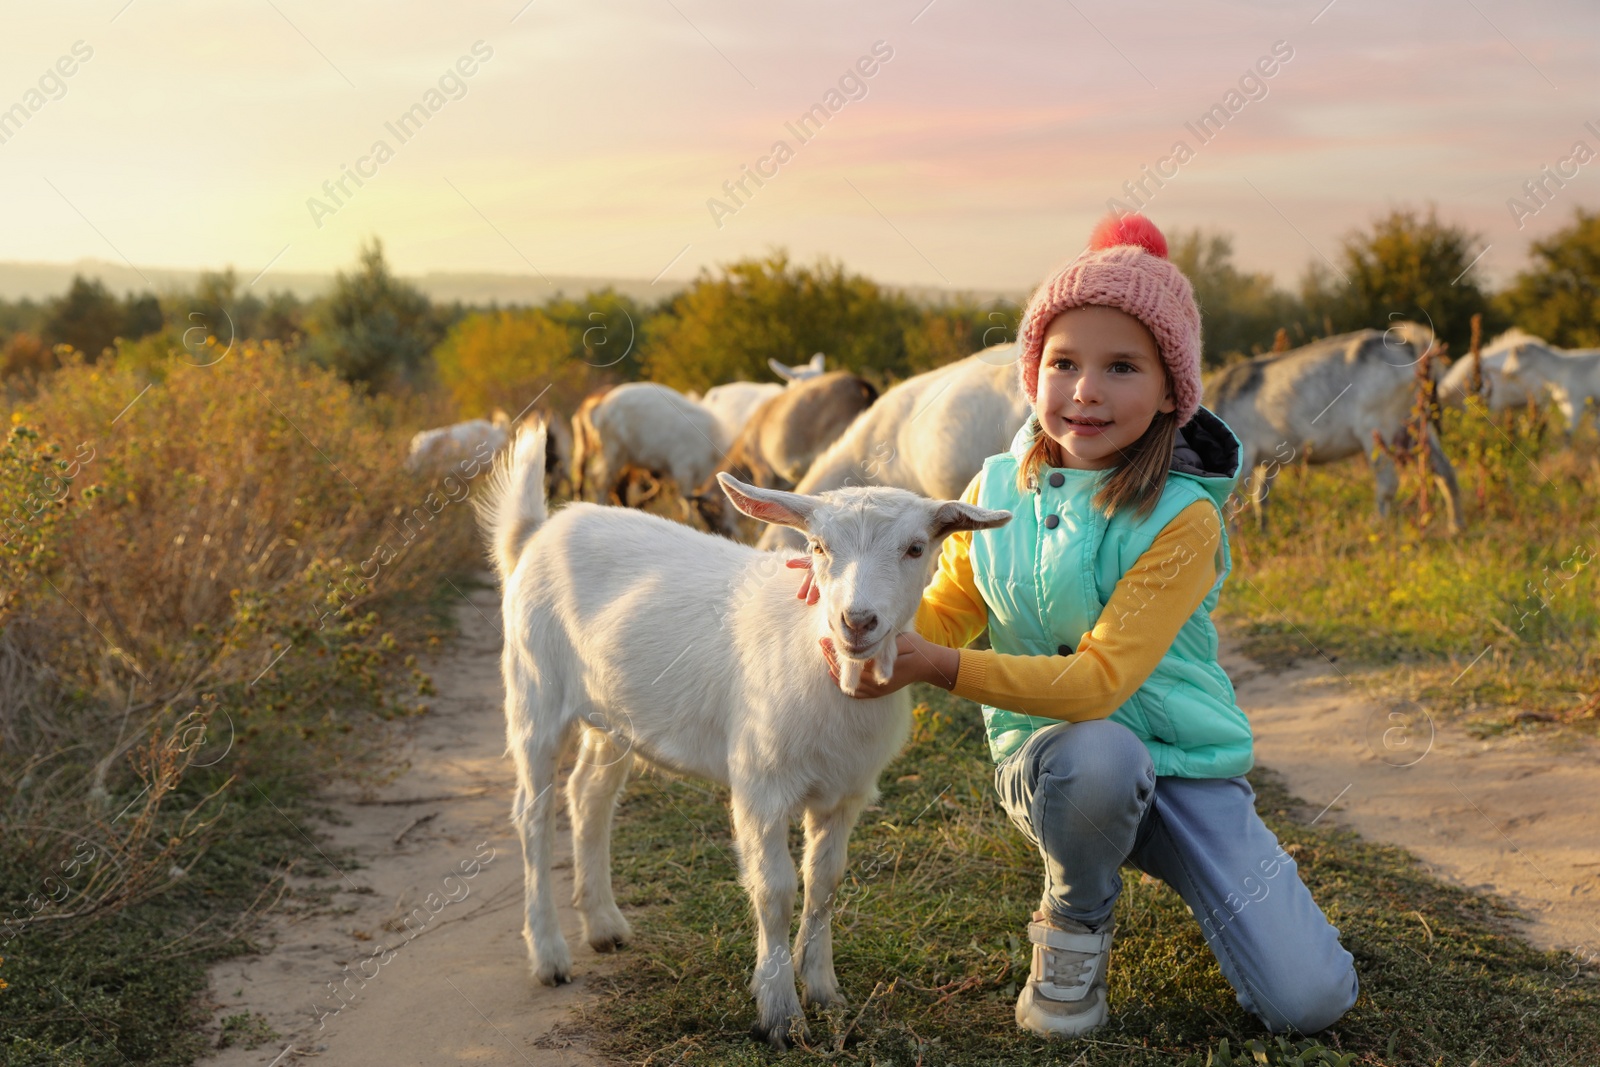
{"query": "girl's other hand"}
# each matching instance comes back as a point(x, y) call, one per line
point(808, 592)
point(916, 660)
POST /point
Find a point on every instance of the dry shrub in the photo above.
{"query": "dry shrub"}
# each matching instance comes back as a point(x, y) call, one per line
point(172, 620)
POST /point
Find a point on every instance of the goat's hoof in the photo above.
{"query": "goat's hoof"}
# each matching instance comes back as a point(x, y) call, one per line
point(608, 943)
point(607, 930)
point(553, 973)
point(777, 1035)
point(825, 998)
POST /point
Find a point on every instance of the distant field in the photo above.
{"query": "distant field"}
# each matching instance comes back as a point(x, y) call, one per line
point(1496, 628)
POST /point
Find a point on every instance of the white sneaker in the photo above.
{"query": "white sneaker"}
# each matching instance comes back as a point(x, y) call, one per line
point(1066, 991)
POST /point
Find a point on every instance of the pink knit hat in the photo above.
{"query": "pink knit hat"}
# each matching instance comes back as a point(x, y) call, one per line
point(1125, 267)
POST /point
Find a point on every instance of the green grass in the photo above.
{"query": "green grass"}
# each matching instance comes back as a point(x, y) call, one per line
point(930, 944)
point(1497, 628)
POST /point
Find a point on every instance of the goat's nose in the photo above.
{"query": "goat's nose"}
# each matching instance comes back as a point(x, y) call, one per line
point(860, 621)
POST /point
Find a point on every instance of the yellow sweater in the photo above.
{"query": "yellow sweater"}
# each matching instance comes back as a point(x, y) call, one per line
point(1136, 628)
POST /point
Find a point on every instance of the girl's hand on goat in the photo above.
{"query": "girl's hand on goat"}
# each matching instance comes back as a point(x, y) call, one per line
point(808, 592)
point(916, 660)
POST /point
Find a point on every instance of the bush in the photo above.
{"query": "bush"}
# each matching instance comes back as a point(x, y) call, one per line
point(505, 359)
point(1406, 267)
point(1558, 297)
point(373, 327)
point(193, 636)
point(725, 328)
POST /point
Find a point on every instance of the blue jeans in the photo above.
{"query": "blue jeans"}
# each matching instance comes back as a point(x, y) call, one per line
point(1088, 796)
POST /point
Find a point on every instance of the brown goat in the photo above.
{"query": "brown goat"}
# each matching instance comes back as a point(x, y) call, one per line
point(781, 439)
point(585, 440)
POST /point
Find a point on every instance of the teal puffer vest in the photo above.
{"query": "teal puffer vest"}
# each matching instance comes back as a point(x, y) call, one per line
point(1045, 586)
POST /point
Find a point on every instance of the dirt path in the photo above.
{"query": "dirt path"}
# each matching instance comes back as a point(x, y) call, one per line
point(453, 985)
point(1516, 816)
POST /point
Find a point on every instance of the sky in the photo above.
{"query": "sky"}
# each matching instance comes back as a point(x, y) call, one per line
point(595, 139)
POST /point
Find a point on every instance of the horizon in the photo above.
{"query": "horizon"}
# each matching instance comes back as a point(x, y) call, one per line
point(20, 280)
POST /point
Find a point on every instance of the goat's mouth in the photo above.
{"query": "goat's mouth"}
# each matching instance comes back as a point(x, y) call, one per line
point(856, 649)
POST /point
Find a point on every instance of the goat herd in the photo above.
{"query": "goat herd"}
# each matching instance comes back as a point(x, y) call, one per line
point(633, 636)
point(1324, 402)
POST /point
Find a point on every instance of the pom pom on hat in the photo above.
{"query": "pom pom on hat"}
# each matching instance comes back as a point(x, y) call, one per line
point(1125, 267)
point(1131, 229)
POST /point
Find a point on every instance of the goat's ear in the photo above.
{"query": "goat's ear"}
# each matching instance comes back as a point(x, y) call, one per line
point(954, 515)
point(768, 505)
point(780, 369)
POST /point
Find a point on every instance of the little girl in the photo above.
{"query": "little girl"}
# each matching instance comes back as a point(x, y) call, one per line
point(1114, 730)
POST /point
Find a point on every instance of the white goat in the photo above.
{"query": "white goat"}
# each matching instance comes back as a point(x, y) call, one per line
point(1325, 402)
point(692, 651)
point(734, 402)
point(929, 434)
point(1571, 378)
point(434, 450)
point(1501, 392)
point(648, 425)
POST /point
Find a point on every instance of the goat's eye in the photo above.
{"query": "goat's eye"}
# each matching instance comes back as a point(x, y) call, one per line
point(817, 549)
point(915, 551)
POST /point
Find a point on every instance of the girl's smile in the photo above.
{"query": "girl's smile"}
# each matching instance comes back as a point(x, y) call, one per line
point(1086, 426)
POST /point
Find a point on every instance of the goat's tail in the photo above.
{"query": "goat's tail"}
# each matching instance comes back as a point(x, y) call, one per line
point(511, 507)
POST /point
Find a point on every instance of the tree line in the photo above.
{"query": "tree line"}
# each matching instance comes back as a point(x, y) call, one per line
point(378, 330)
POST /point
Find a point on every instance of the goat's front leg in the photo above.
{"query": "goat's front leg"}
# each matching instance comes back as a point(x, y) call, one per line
point(1386, 477)
point(827, 838)
point(1260, 489)
point(767, 873)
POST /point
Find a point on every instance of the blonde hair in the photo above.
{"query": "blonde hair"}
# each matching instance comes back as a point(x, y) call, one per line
point(1136, 482)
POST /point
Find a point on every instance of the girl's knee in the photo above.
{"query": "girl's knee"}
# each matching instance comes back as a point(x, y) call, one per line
point(1098, 750)
point(1310, 1002)
point(1097, 771)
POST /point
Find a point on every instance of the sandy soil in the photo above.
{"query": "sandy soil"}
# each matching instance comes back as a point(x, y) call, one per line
point(1516, 816)
point(452, 985)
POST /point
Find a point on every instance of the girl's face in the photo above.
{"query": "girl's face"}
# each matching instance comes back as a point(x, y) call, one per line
point(1101, 382)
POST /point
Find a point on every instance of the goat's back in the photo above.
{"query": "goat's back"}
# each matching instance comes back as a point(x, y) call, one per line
point(696, 648)
point(733, 403)
point(659, 428)
point(1503, 391)
point(789, 431)
point(1324, 398)
point(929, 434)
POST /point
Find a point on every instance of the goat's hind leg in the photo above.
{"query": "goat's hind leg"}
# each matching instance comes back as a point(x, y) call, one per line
point(536, 735)
point(827, 838)
point(767, 873)
point(597, 778)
